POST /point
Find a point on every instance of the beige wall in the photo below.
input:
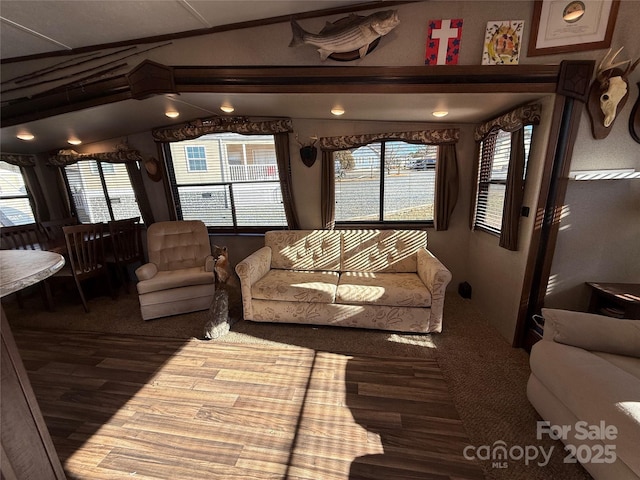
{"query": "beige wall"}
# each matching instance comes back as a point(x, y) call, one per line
point(599, 237)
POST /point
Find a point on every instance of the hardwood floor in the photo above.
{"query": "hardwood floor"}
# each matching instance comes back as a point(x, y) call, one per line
point(156, 408)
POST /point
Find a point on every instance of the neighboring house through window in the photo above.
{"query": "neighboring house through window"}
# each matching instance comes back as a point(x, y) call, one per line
point(229, 181)
point(196, 158)
point(101, 191)
point(495, 152)
point(15, 201)
point(385, 182)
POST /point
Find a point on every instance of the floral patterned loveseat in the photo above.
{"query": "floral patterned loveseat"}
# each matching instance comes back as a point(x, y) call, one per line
point(382, 279)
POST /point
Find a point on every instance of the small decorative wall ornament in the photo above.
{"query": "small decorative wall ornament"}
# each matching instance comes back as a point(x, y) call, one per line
point(308, 153)
point(502, 42)
point(443, 42)
point(351, 36)
point(608, 93)
point(153, 169)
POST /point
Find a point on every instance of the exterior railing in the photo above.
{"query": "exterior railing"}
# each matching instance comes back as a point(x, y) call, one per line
point(253, 172)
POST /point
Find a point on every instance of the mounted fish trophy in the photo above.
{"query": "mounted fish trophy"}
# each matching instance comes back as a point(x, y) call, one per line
point(348, 38)
point(308, 153)
point(608, 93)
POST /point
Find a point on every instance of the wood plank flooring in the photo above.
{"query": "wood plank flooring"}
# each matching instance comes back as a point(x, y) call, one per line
point(155, 408)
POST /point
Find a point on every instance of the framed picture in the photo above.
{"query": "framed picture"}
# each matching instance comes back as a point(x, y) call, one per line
point(562, 26)
point(502, 42)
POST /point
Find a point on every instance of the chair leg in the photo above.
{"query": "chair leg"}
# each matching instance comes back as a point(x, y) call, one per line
point(84, 301)
point(112, 291)
point(48, 297)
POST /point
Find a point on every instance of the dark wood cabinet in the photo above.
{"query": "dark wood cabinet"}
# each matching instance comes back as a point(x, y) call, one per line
point(618, 300)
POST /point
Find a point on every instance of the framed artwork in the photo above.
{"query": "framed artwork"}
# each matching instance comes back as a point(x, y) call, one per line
point(443, 42)
point(562, 26)
point(502, 42)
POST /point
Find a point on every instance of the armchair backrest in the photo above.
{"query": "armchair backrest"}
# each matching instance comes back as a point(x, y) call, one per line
point(179, 244)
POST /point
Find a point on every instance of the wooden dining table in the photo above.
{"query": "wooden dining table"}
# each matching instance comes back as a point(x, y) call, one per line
point(22, 424)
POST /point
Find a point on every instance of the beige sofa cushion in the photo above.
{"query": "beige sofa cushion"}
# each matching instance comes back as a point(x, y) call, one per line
point(391, 289)
point(185, 277)
point(304, 249)
point(176, 245)
point(593, 332)
point(381, 250)
point(296, 286)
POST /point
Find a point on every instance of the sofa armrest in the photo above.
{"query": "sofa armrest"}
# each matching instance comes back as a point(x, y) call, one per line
point(146, 271)
point(250, 270)
point(592, 332)
point(209, 263)
point(436, 277)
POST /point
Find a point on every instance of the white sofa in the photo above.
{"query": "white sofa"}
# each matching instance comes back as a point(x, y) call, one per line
point(382, 279)
point(587, 369)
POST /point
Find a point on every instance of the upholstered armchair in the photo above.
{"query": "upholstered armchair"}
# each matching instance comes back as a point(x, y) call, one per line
point(179, 276)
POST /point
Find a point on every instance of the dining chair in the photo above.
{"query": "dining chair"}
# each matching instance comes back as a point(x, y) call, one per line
point(53, 228)
point(85, 256)
point(126, 247)
point(22, 237)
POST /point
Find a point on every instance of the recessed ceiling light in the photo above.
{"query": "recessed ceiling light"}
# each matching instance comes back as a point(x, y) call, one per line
point(25, 136)
point(74, 141)
point(226, 108)
point(172, 113)
point(440, 113)
point(337, 111)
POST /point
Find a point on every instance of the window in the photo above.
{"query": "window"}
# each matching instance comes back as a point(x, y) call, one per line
point(388, 181)
point(239, 188)
point(495, 152)
point(101, 191)
point(196, 158)
point(15, 201)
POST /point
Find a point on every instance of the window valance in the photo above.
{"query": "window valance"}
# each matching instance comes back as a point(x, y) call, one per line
point(430, 137)
point(241, 125)
point(18, 159)
point(69, 157)
point(512, 121)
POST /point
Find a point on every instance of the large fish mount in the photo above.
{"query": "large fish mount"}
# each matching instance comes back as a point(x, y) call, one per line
point(354, 35)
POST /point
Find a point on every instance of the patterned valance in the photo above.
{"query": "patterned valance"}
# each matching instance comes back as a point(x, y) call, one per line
point(19, 159)
point(241, 125)
point(512, 121)
point(429, 137)
point(69, 157)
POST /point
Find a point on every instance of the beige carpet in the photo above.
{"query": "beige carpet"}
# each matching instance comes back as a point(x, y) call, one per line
point(486, 376)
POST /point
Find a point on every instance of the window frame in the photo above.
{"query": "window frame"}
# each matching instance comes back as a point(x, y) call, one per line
point(381, 223)
point(173, 189)
point(98, 169)
point(27, 195)
point(486, 158)
point(189, 160)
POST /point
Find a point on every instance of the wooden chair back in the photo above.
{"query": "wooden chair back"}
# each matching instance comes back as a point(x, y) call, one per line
point(126, 240)
point(20, 237)
point(85, 249)
point(53, 228)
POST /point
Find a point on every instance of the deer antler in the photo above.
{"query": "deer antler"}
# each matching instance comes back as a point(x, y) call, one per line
point(607, 65)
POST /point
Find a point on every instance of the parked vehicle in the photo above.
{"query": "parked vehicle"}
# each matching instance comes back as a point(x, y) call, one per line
point(422, 164)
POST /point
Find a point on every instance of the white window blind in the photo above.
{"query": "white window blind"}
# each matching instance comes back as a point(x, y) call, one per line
point(239, 188)
point(101, 191)
point(385, 182)
point(15, 206)
point(492, 179)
